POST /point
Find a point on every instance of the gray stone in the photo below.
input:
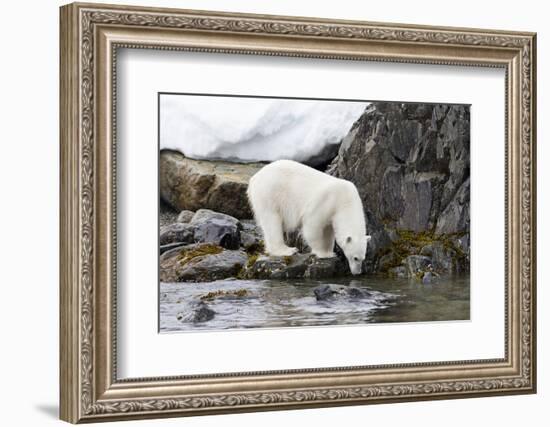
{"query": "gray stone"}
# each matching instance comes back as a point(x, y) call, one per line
point(196, 312)
point(217, 228)
point(185, 216)
point(456, 216)
point(187, 184)
point(176, 233)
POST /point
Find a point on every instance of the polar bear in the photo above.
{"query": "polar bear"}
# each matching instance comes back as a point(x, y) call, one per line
point(286, 196)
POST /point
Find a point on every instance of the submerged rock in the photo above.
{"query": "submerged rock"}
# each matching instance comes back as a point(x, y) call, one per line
point(193, 184)
point(196, 312)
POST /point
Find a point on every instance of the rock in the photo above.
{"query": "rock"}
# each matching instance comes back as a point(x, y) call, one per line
point(456, 216)
point(251, 242)
point(330, 291)
point(217, 228)
point(399, 272)
point(196, 312)
point(323, 158)
point(185, 216)
point(176, 233)
point(388, 261)
point(320, 268)
point(444, 259)
point(207, 268)
point(167, 215)
point(295, 267)
point(188, 184)
point(417, 264)
point(270, 267)
point(170, 246)
point(200, 262)
point(410, 163)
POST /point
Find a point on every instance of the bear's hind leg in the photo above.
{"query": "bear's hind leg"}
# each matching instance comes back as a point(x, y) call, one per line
point(272, 227)
point(320, 238)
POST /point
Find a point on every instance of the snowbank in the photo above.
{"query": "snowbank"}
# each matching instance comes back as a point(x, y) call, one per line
point(253, 129)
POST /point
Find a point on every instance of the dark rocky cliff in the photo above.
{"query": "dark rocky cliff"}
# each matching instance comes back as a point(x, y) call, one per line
point(410, 163)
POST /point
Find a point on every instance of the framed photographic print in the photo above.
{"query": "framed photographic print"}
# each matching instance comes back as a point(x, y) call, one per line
point(266, 212)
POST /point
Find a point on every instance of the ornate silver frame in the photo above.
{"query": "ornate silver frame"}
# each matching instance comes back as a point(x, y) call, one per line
point(90, 35)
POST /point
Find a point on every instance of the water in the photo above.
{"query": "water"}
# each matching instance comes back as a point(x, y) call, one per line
point(275, 304)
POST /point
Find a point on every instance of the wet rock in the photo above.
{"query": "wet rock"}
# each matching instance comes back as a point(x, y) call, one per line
point(217, 228)
point(417, 264)
point(444, 259)
point(185, 216)
point(320, 268)
point(188, 184)
point(270, 267)
point(330, 291)
point(196, 312)
point(205, 268)
point(176, 233)
point(400, 272)
point(200, 262)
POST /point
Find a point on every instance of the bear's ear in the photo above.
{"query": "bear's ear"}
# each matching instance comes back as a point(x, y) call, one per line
point(348, 239)
point(367, 238)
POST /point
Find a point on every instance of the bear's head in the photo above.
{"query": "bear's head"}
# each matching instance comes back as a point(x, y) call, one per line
point(355, 249)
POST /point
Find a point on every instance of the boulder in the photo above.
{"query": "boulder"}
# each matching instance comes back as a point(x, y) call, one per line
point(176, 233)
point(200, 262)
point(206, 268)
point(217, 228)
point(188, 184)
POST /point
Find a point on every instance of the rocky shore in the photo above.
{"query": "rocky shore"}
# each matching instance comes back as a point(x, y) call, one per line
point(410, 163)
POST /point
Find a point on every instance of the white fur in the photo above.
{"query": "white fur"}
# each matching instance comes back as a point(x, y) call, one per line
point(287, 196)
